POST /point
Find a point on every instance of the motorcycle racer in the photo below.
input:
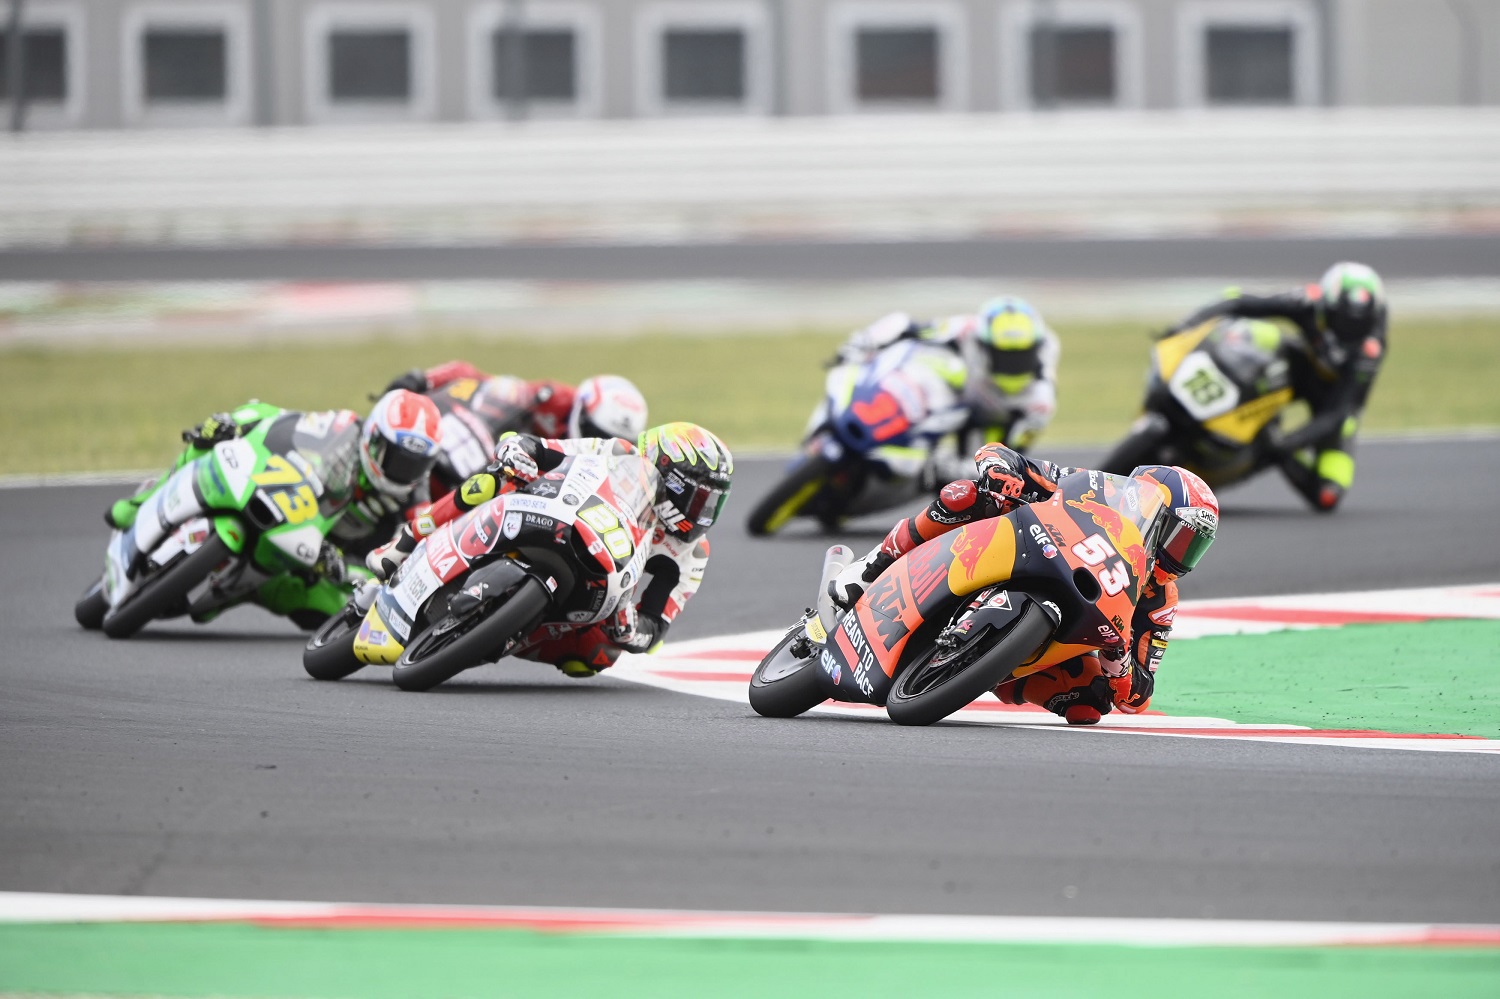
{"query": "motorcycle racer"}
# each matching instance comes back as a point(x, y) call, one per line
point(601, 406)
point(1342, 319)
point(373, 470)
point(1085, 688)
point(1010, 356)
point(693, 471)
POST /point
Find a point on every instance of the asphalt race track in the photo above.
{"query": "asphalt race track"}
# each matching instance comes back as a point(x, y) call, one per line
point(1250, 258)
point(201, 761)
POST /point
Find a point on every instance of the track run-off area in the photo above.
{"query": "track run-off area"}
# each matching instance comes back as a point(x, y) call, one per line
point(621, 823)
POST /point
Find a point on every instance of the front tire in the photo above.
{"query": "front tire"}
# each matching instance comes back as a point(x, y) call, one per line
point(926, 692)
point(90, 609)
point(435, 654)
point(790, 497)
point(329, 654)
point(1142, 446)
point(780, 687)
point(167, 589)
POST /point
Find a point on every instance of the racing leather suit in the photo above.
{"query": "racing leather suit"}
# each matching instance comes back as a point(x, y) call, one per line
point(546, 403)
point(1334, 378)
point(307, 596)
point(1012, 418)
point(674, 567)
point(1081, 689)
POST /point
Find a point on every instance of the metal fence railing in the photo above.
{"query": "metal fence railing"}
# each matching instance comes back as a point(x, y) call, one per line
point(681, 180)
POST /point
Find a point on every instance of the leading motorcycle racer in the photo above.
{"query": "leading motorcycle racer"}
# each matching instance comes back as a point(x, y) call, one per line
point(1342, 319)
point(693, 470)
point(1010, 355)
point(1083, 689)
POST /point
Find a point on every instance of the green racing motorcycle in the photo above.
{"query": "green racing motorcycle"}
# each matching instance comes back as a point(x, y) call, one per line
point(242, 521)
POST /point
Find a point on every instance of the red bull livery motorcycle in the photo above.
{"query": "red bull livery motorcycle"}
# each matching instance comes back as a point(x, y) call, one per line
point(558, 553)
point(996, 600)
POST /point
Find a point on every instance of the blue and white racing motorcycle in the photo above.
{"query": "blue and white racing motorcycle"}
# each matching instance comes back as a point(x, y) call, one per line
point(872, 440)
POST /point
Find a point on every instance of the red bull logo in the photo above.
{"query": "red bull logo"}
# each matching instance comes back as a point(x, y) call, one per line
point(971, 544)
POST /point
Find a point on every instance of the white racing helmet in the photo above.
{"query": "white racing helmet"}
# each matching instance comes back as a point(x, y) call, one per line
point(608, 406)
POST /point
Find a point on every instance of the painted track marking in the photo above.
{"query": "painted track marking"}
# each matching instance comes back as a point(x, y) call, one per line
point(720, 668)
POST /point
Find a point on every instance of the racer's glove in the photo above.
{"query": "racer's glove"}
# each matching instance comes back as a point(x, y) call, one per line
point(385, 560)
point(216, 429)
point(414, 380)
point(631, 632)
point(1001, 470)
point(330, 564)
point(1132, 693)
point(515, 458)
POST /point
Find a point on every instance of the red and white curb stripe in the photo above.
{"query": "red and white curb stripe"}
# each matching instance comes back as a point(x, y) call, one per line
point(720, 667)
point(27, 907)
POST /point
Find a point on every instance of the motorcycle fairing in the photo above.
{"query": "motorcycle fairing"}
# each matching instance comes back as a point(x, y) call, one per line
point(1065, 546)
point(615, 542)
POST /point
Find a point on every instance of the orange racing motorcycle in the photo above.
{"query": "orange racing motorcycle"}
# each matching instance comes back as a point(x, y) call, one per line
point(995, 600)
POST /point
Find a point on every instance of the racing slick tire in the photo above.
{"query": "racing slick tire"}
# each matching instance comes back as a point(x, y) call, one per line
point(90, 609)
point(790, 496)
point(165, 591)
point(925, 693)
point(329, 653)
point(1142, 446)
point(784, 686)
point(441, 651)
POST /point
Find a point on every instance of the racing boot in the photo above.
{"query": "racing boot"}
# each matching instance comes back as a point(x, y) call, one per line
point(385, 560)
point(849, 585)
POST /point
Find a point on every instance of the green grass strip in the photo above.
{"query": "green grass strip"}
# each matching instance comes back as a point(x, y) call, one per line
point(1435, 677)
point(247, 961)
point(100, 408)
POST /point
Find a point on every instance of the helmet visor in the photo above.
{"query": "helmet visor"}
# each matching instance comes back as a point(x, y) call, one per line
point(401, 464)
point(699, 503)
point(1185, 541)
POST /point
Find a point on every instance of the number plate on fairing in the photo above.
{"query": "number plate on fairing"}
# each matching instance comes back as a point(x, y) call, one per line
point(1203, 390)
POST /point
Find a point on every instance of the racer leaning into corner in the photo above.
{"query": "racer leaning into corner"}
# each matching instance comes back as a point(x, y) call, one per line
point(1085, 688)
point(1009, 357)
point(374, 470)
point(693, 469)
point(601, 406)
point(1342, 320)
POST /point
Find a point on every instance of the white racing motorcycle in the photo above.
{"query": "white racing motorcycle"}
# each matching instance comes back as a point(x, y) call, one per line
point(560, 553)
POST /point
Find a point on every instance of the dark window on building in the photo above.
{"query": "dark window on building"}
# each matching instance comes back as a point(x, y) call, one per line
point(704, 64)
point(1073, 65)
point(45, 57)
point(1249, 65)
point(897, 64)
point(535, 64)
point(185, 64)
point(369, 65)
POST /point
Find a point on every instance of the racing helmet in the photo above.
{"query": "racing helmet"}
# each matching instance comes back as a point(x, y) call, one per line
point(607, 406)
point(694, 467)
point(1190, 518)
point(1009, 334)
point(1353, 300)
point(400, 442)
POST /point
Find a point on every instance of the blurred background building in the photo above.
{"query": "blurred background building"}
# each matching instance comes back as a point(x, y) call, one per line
point(92, 64)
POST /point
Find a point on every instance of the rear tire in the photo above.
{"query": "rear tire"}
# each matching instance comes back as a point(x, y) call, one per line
point(1140, 447)
point(779, 688)
point(790, 496)
point(923, 694)
point(166, 589)
point(329, 654)
point(90, 609)
point(430, 659)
